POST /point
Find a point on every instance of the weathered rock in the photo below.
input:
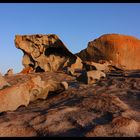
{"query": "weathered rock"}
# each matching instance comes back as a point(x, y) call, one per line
point(23, 93)
point(90, 65)
point(42, 52)
point(72, 64)
point(105, 103)
point(122, 50)
point(9, 72)
point(3, 82)
point(78, 110)
point(27, 70)
point(16, 131)
point(90, 77)
point(119, 127)
point(70, 71)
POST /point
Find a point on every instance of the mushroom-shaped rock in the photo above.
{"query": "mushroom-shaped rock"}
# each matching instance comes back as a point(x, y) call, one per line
point(42, 52)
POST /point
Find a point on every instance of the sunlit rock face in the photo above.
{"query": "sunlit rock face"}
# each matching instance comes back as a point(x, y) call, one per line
point(42, 52)
point(11, 97)
point(122, 50)
point(72, 64)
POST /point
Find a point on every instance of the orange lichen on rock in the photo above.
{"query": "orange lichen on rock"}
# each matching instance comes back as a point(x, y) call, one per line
point(27, 70)
point(123, 50)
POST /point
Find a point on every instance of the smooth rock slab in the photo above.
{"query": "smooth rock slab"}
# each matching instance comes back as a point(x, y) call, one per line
point(23, 93)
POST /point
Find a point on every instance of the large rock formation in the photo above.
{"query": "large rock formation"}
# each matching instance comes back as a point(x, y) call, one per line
point(42, 52)
point(122, 50)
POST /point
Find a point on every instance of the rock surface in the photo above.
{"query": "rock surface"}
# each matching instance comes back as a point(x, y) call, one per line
point(122, 50)
point(105, 67)
point(72, 64)
point(119, 127)
point(90, 77)
point(27, 70)
point(42, 52)
point(3, 82)
point(82, 110)
point(71, 98)
point(23, 93)
point(9, 72)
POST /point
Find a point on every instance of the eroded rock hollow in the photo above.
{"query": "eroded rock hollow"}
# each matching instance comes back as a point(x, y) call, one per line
point(42, 52)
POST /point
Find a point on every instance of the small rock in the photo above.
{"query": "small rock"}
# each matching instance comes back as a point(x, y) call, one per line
point(3, 82)
point(9, 72)
point(102, 66)
point(74, 62)
point(26, 70)
point(90, 77)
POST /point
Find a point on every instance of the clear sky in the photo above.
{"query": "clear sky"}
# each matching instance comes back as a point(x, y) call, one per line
point(75, 23)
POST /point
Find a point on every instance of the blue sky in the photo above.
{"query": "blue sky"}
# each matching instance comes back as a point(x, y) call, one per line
point(75, 23)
